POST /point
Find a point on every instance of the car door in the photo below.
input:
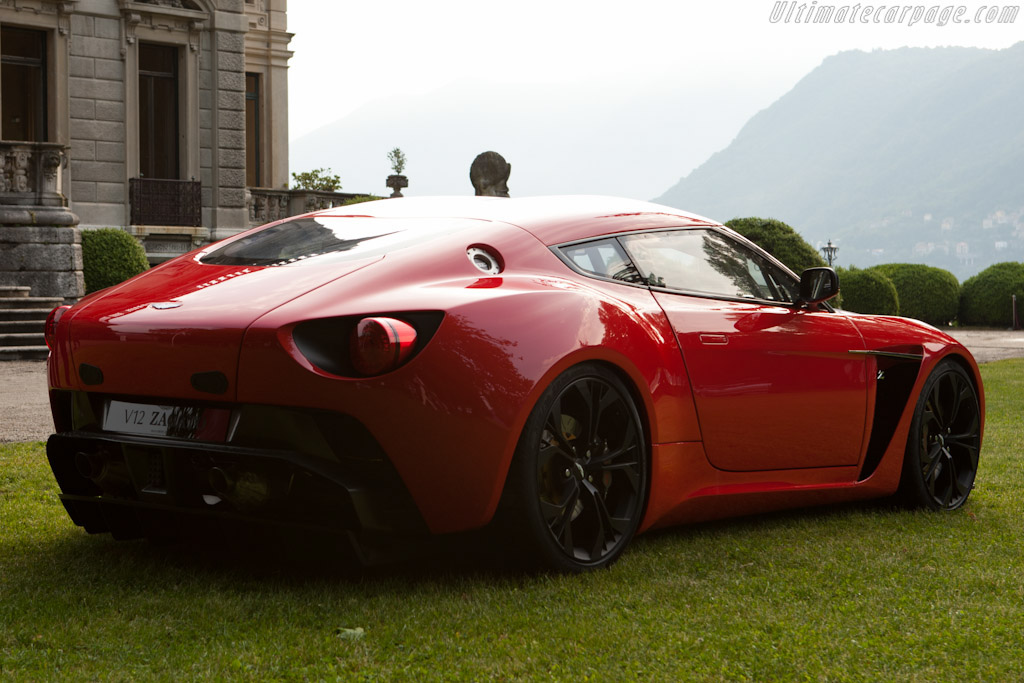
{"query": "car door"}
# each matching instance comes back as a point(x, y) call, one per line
point(775, 384)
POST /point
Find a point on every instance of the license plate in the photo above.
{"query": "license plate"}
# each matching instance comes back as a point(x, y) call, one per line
point(183, 422)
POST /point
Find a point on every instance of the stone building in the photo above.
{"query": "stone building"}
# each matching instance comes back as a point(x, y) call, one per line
point(167, 118)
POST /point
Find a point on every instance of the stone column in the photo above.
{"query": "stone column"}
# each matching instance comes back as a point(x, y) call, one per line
point(40, 246)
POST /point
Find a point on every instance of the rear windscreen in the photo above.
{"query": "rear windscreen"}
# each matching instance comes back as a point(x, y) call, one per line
point(330, 238)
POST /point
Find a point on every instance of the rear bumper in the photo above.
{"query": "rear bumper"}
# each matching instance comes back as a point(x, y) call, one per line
point(132, 486)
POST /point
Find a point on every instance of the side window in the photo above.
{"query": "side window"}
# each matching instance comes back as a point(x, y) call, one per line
point(708, 262)
point(603, 258)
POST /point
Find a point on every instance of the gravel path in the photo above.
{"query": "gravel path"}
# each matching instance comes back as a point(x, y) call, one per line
point(24, 403)
point(25, 407)
point(990, 345)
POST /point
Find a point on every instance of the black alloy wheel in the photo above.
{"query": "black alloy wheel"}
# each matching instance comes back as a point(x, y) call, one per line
point(945, 440)
point(580, 474)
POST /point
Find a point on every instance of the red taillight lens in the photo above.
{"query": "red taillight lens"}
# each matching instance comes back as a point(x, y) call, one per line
point(379, 345)
point(50, 331)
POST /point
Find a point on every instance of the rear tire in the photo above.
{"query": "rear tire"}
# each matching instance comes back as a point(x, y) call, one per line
point(941, 459)
point(578, 483)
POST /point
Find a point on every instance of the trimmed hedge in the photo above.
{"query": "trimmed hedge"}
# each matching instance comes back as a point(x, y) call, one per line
point(779, 240)
point(986, 298)
point(110, 256)
point(867, 291)
point(925, 292)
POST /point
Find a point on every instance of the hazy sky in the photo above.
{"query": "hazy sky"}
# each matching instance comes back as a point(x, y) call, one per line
point(348, 54)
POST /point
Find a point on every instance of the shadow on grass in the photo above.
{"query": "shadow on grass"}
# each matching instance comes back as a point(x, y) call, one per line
point(880, 513)
point(295, 560)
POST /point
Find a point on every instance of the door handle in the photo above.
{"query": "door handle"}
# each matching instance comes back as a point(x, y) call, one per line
point(713, 339)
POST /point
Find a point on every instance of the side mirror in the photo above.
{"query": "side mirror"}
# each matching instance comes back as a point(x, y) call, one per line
point(817, 285)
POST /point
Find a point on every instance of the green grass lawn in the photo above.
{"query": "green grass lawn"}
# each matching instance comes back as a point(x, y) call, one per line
point(860, 593)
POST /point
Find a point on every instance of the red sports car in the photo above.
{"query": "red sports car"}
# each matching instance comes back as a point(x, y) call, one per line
point(570, 370)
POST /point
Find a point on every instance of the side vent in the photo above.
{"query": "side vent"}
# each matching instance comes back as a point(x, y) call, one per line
point(893, 383)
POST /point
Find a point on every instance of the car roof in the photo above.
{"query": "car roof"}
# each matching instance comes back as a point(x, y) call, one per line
point(552, 219)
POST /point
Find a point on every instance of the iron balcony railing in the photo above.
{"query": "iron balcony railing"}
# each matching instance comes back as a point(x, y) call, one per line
point(155, 201)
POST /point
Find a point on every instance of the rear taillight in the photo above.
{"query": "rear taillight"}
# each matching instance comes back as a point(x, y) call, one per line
point(50, 331)
point(364, 345)
point(379, 345)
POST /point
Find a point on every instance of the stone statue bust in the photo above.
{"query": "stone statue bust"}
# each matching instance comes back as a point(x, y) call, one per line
point(489, 175)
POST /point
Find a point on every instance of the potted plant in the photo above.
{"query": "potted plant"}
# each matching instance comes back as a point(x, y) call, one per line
point(397, 181)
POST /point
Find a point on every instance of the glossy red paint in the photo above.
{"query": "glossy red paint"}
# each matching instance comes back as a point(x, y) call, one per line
point(747, 406)
point(475, 382)
point(50, 332)
point(774, 368)
point(182, 318)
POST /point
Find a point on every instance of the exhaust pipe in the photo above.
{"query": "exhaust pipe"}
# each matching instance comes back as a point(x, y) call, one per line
point(89, 465)
point(246, 490)
point(222, 482)
point(106, 471)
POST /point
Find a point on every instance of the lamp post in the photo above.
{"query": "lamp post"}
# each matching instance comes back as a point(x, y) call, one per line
point(829, 252)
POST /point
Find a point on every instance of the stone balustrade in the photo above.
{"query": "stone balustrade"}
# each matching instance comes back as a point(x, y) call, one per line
point(266, 205)
point(30, 173)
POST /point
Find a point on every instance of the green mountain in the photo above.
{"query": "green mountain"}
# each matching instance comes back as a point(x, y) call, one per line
point(915, 154)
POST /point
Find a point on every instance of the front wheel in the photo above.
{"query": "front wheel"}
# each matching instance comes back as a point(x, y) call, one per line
point(580, 474)
point(941, 460)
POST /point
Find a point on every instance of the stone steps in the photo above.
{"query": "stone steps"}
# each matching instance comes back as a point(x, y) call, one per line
point(23, 338)
point(23, 353)
point(32, 314)
point(13, 291)
point(22, 323)
point(49, 303)
point(21, 326)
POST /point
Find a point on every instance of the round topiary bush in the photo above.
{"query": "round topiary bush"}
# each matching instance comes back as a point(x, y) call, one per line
point(987, 298)
point(779, 240)
point(110, 256)
point(867, 291)
point(925, 292)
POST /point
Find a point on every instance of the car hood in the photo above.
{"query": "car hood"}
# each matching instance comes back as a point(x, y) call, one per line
point(176, 330)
